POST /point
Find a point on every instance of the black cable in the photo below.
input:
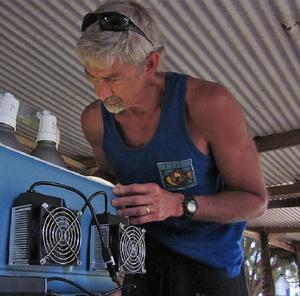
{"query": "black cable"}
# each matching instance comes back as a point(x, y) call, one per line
point(60, 279)
point(103, 193)
point(106, 252)
point(127, 287)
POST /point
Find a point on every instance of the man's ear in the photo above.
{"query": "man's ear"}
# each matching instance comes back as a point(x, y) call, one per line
point(152, 63)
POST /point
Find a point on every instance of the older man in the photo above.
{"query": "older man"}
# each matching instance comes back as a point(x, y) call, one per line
point(179, 149)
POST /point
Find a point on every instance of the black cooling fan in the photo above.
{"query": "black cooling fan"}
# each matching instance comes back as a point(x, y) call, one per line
point(44, 231)
point(127, 244)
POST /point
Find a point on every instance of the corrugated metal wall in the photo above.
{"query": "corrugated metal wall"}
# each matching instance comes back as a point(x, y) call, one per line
point(241, 44)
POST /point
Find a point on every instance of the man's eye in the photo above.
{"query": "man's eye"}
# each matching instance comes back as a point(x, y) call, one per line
point(107, 79)
point(92, 78)
point(114, 79)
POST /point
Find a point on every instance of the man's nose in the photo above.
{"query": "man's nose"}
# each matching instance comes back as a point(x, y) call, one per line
point(103, 90)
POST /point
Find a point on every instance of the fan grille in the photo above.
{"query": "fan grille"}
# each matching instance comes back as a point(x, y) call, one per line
point(132, 249)
point(61, 236)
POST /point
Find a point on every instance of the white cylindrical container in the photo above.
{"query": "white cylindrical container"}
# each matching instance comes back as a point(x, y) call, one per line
point(48, 139)
point(47, 127)
point(9, 107)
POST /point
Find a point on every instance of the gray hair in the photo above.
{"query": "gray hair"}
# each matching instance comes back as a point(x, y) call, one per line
point(102, 48)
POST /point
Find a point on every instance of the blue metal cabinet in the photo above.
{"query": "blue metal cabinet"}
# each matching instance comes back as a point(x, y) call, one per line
point(18, 171)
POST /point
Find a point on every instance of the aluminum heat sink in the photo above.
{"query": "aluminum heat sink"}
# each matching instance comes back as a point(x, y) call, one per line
point(127, 244)
point(43, 231)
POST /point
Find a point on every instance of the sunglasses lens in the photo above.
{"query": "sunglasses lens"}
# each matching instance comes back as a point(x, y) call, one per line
point(114, 23)
point(88, 20)
point(111, 21)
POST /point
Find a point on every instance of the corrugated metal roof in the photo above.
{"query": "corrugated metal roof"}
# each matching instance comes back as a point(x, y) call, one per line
point(252, 47)
point(240, 43)
point(286, 217)
point(280, 218)
point(281, 166)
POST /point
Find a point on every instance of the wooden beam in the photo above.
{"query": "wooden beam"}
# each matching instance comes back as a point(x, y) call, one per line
point(72, 163)
point(291, 202)
point(273, 240)
point(29, 145)
point(252, 234)
point(278, 141)
point(276, 229)
point(284, 189)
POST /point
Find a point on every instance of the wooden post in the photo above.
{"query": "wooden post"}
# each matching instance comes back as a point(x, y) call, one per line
point(268, 284)
point(297, 251)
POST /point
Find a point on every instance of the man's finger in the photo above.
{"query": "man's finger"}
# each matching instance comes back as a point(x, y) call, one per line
point(126, 201)
point(134, 211)
point(132, 189)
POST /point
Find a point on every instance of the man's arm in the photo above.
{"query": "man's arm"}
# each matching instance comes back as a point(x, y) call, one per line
point(92, 127)
point(225, 130)
point(216, 118)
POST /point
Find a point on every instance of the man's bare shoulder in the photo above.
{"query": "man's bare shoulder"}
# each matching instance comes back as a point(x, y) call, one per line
point(201, 92)
point(91, 122)
point(210, 105)
point(91, 110)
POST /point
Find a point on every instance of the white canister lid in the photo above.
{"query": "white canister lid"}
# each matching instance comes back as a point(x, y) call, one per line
point(9, 107)
point(48, 130)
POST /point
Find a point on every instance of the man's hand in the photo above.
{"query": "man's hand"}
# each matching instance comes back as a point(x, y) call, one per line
point(144, 203)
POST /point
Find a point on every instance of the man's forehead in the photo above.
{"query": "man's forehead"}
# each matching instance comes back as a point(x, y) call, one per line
point(98, 71)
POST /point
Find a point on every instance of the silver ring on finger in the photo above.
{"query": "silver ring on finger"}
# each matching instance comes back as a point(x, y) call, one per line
point(147, 211)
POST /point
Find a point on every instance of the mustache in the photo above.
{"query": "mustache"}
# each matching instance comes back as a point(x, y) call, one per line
point(112, 100)
point(114, 104)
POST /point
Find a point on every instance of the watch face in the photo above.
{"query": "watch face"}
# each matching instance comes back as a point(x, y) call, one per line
point(191, 206)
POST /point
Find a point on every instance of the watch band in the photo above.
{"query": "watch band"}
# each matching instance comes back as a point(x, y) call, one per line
point(189, 207)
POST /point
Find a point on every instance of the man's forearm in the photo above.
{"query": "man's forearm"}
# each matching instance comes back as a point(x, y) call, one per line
point(230, 207)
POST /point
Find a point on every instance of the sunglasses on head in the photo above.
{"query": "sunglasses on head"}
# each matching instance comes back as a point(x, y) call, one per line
point(111, 21)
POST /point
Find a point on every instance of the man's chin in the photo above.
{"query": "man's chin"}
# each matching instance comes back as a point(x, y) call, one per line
point(114, 109)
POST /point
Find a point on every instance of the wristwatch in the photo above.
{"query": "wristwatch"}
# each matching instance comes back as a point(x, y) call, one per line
point(189, 207)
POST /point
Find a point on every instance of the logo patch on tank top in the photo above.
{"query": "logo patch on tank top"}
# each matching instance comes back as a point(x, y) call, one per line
point(177, 174)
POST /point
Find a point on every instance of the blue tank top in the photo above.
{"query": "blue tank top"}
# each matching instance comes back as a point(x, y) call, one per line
point(171, 160)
